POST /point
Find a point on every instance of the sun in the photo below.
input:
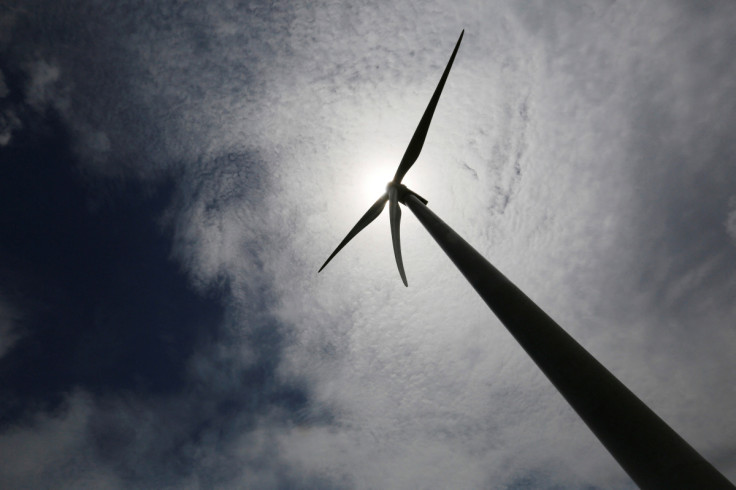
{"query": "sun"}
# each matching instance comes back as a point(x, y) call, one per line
point(375, 174)
point(374, 178)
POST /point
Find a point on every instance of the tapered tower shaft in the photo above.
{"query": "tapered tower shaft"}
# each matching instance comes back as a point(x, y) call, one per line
point(653, 454)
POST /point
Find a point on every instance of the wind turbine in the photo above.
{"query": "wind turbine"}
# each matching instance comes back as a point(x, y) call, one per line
point(651, 452)
point(395, 191)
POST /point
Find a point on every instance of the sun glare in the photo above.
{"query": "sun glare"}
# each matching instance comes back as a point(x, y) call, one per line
point(374, 179)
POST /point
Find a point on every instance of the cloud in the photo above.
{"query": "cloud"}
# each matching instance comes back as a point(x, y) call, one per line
point(9, 121)
point(54, 452)
point(583, 231)
point(585, 151)
point(42, 87)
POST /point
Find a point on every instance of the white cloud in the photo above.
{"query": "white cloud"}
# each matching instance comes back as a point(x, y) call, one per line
point(567, 97)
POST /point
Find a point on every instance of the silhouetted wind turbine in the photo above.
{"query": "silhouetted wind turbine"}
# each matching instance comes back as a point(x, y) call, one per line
point(653, 454)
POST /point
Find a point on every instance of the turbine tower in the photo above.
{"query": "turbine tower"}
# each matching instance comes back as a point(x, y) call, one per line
point(651, 452)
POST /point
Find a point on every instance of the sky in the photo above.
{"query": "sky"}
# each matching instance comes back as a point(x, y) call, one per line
point(173, 174)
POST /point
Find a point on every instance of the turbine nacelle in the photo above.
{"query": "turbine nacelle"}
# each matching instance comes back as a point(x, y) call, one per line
point(403, 191)
point(396, 192)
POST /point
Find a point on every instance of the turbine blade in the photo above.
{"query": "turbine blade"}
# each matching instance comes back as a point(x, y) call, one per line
point(417, 141)
point(395, 217)
point(370, 215)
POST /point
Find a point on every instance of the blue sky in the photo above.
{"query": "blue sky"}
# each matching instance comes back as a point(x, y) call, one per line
point(173, 174)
